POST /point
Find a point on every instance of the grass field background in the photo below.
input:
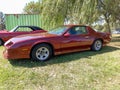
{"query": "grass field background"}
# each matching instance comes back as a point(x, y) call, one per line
point(85, 70)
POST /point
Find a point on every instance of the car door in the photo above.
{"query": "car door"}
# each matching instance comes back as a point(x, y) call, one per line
point(76, 39)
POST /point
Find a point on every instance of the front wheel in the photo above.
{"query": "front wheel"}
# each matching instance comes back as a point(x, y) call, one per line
point(41, 52)
point(97, 45)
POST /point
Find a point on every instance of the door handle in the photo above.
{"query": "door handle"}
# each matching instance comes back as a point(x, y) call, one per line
point(86, 37)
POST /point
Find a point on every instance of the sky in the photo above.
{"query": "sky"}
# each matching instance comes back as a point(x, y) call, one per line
point(13, 6)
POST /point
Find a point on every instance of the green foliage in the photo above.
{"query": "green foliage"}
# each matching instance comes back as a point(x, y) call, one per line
point(113, 8)
point(109, 9)
point(33, 8)
point(56, 12)
point(99, 27)
point(75, 11)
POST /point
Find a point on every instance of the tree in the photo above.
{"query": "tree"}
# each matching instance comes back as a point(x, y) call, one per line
point(33, 8)
point(80, 11)
point(2, 21)
point(109, 9)
point(75, 11)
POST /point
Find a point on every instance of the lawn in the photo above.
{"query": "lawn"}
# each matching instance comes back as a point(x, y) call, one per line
point(85, 70)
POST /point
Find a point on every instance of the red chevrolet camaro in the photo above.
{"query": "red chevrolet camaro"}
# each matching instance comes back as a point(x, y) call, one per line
point(61, 40)
point(18, 30)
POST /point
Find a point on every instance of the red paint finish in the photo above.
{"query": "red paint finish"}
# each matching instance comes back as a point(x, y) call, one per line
point(65, 42)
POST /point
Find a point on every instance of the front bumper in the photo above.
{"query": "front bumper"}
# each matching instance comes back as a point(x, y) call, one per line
point(16, 53)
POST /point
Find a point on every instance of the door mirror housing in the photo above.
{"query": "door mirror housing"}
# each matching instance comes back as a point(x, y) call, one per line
point(67, 34)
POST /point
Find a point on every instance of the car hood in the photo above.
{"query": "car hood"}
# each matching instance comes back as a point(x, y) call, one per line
point(26, 37)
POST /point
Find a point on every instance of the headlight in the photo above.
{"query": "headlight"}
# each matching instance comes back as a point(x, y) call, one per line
point(8, 43)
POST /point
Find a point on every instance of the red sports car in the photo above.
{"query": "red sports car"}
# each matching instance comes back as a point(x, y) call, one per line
point(18, 30)
point(61, 40)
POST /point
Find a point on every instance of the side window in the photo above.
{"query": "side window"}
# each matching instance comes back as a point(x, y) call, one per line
point(78, 30)
point(23, 29)
point(72, 31)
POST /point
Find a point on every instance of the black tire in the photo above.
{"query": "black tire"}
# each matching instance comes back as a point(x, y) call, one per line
point(41, 52)
point(1, 42)
point(97, 45)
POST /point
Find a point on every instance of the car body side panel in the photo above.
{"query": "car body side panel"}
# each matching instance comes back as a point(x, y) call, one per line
point(75, 43)
point(61, 44)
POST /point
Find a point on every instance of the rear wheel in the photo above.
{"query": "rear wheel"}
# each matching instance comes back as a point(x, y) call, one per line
point(97, 45)
point(41, 52)
point(1, 42)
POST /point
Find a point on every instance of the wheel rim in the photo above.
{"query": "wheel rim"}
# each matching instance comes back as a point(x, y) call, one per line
point(98, 45)
point(42, 53)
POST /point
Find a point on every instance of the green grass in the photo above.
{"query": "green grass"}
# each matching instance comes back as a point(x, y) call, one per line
point(86, 70)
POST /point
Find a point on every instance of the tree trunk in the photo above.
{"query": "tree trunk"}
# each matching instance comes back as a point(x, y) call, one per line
point(108, 22)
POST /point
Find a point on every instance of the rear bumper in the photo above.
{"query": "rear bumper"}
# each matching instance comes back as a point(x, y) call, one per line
point(107, 41)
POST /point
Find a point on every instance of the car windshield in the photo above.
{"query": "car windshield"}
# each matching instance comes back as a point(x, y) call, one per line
point(13, 29)
point(59, 30)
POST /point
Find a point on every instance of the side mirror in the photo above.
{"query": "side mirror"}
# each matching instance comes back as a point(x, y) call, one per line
point(67, 34)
